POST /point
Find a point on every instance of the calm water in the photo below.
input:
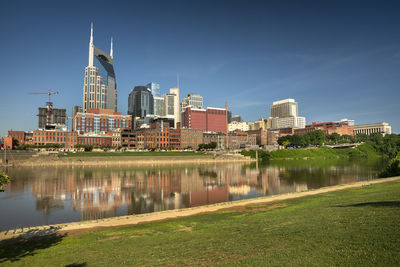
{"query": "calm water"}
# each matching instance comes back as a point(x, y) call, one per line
point(39, 196)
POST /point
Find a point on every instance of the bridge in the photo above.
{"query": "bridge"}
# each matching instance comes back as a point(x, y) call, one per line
point(344, 145)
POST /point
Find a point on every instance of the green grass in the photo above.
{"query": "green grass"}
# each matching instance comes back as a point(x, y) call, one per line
point(133, 154)
point(364, 150)
point(357, 227)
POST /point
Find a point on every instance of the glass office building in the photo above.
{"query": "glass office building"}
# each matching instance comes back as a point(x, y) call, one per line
point(154, 88)
point(140, 102)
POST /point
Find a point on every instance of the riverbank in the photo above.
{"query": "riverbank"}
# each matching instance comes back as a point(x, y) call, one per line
point(125, 159)
point(355, 224)
point(323, 152)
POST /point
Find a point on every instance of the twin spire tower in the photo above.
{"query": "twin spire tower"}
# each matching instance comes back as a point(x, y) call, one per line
point(100, 88)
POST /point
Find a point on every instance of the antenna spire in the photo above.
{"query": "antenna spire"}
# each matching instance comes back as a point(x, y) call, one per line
point(111, 50)
point(91, 33)
point(177, 79)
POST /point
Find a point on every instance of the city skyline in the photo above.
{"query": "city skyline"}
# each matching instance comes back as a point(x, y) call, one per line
point(338, 60)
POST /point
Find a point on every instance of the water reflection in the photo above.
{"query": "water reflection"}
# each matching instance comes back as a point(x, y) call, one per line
point(73, 194)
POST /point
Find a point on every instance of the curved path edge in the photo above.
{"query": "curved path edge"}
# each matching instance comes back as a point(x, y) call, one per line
point(84, 226)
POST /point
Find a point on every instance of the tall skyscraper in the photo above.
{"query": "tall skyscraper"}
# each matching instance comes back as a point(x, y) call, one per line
point(140, 102)
point(100, 88)
point(154, 88)
point(193, 101)
point(175, 92)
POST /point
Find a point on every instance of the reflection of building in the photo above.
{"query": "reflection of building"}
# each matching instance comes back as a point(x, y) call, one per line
point(94, 193)
point(100, 88)
point(382, 127)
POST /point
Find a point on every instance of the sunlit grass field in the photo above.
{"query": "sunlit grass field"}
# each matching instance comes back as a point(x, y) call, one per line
point(356, 227)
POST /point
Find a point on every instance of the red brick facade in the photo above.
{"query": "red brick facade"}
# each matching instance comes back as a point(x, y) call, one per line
point(68, 140)
point(328, 128)
point(209, 120)
point(17, 135)
point(96, 140)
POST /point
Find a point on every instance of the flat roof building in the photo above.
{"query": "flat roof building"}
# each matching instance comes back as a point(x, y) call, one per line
point(381, 127)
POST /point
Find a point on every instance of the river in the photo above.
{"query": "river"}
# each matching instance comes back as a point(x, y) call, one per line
point(42, 196)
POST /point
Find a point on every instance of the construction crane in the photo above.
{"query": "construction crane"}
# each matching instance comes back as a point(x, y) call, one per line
point(49, 104)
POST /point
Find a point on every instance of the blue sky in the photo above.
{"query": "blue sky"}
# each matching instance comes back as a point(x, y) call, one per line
point(338, 59)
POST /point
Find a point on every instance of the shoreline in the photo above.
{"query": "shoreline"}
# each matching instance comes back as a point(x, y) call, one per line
point(85, 226)
point(52, 161)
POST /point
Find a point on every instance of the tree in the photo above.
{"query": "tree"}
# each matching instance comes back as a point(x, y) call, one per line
point(15, 143)
point(4, 179)
point(317, 137)
point(334, 138)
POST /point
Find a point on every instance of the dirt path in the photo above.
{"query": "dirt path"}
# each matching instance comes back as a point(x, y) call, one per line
point(85, 226)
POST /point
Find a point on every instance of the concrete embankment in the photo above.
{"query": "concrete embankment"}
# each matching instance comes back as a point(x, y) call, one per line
point(37, 160)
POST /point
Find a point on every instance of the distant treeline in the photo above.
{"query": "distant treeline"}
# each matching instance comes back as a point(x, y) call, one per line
point(388, 145)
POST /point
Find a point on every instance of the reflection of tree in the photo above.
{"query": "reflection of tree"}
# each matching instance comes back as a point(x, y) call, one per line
point(48, 203)
point(208, 173)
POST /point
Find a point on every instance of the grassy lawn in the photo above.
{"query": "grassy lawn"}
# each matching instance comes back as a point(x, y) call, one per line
point(132, 154)
point(364, 150)
point(357, 227)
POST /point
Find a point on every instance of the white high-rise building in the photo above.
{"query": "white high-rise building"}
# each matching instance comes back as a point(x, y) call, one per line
point(284, 114)
point(291, 122)
point(193, 101)
point(176, 113)
point(100, 88)
point(284, 108)
point(159, 106)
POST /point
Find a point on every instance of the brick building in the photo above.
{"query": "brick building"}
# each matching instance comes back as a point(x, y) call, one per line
point(95, 140)
point(261, 136)
point(328, 128)
point(209, 120)
point(17, 135)
point(101, 120)
point(128, 139)
point(238, 140)
point(157, 136)
point(190, 138)
point(66, 139)
point(7, 142)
